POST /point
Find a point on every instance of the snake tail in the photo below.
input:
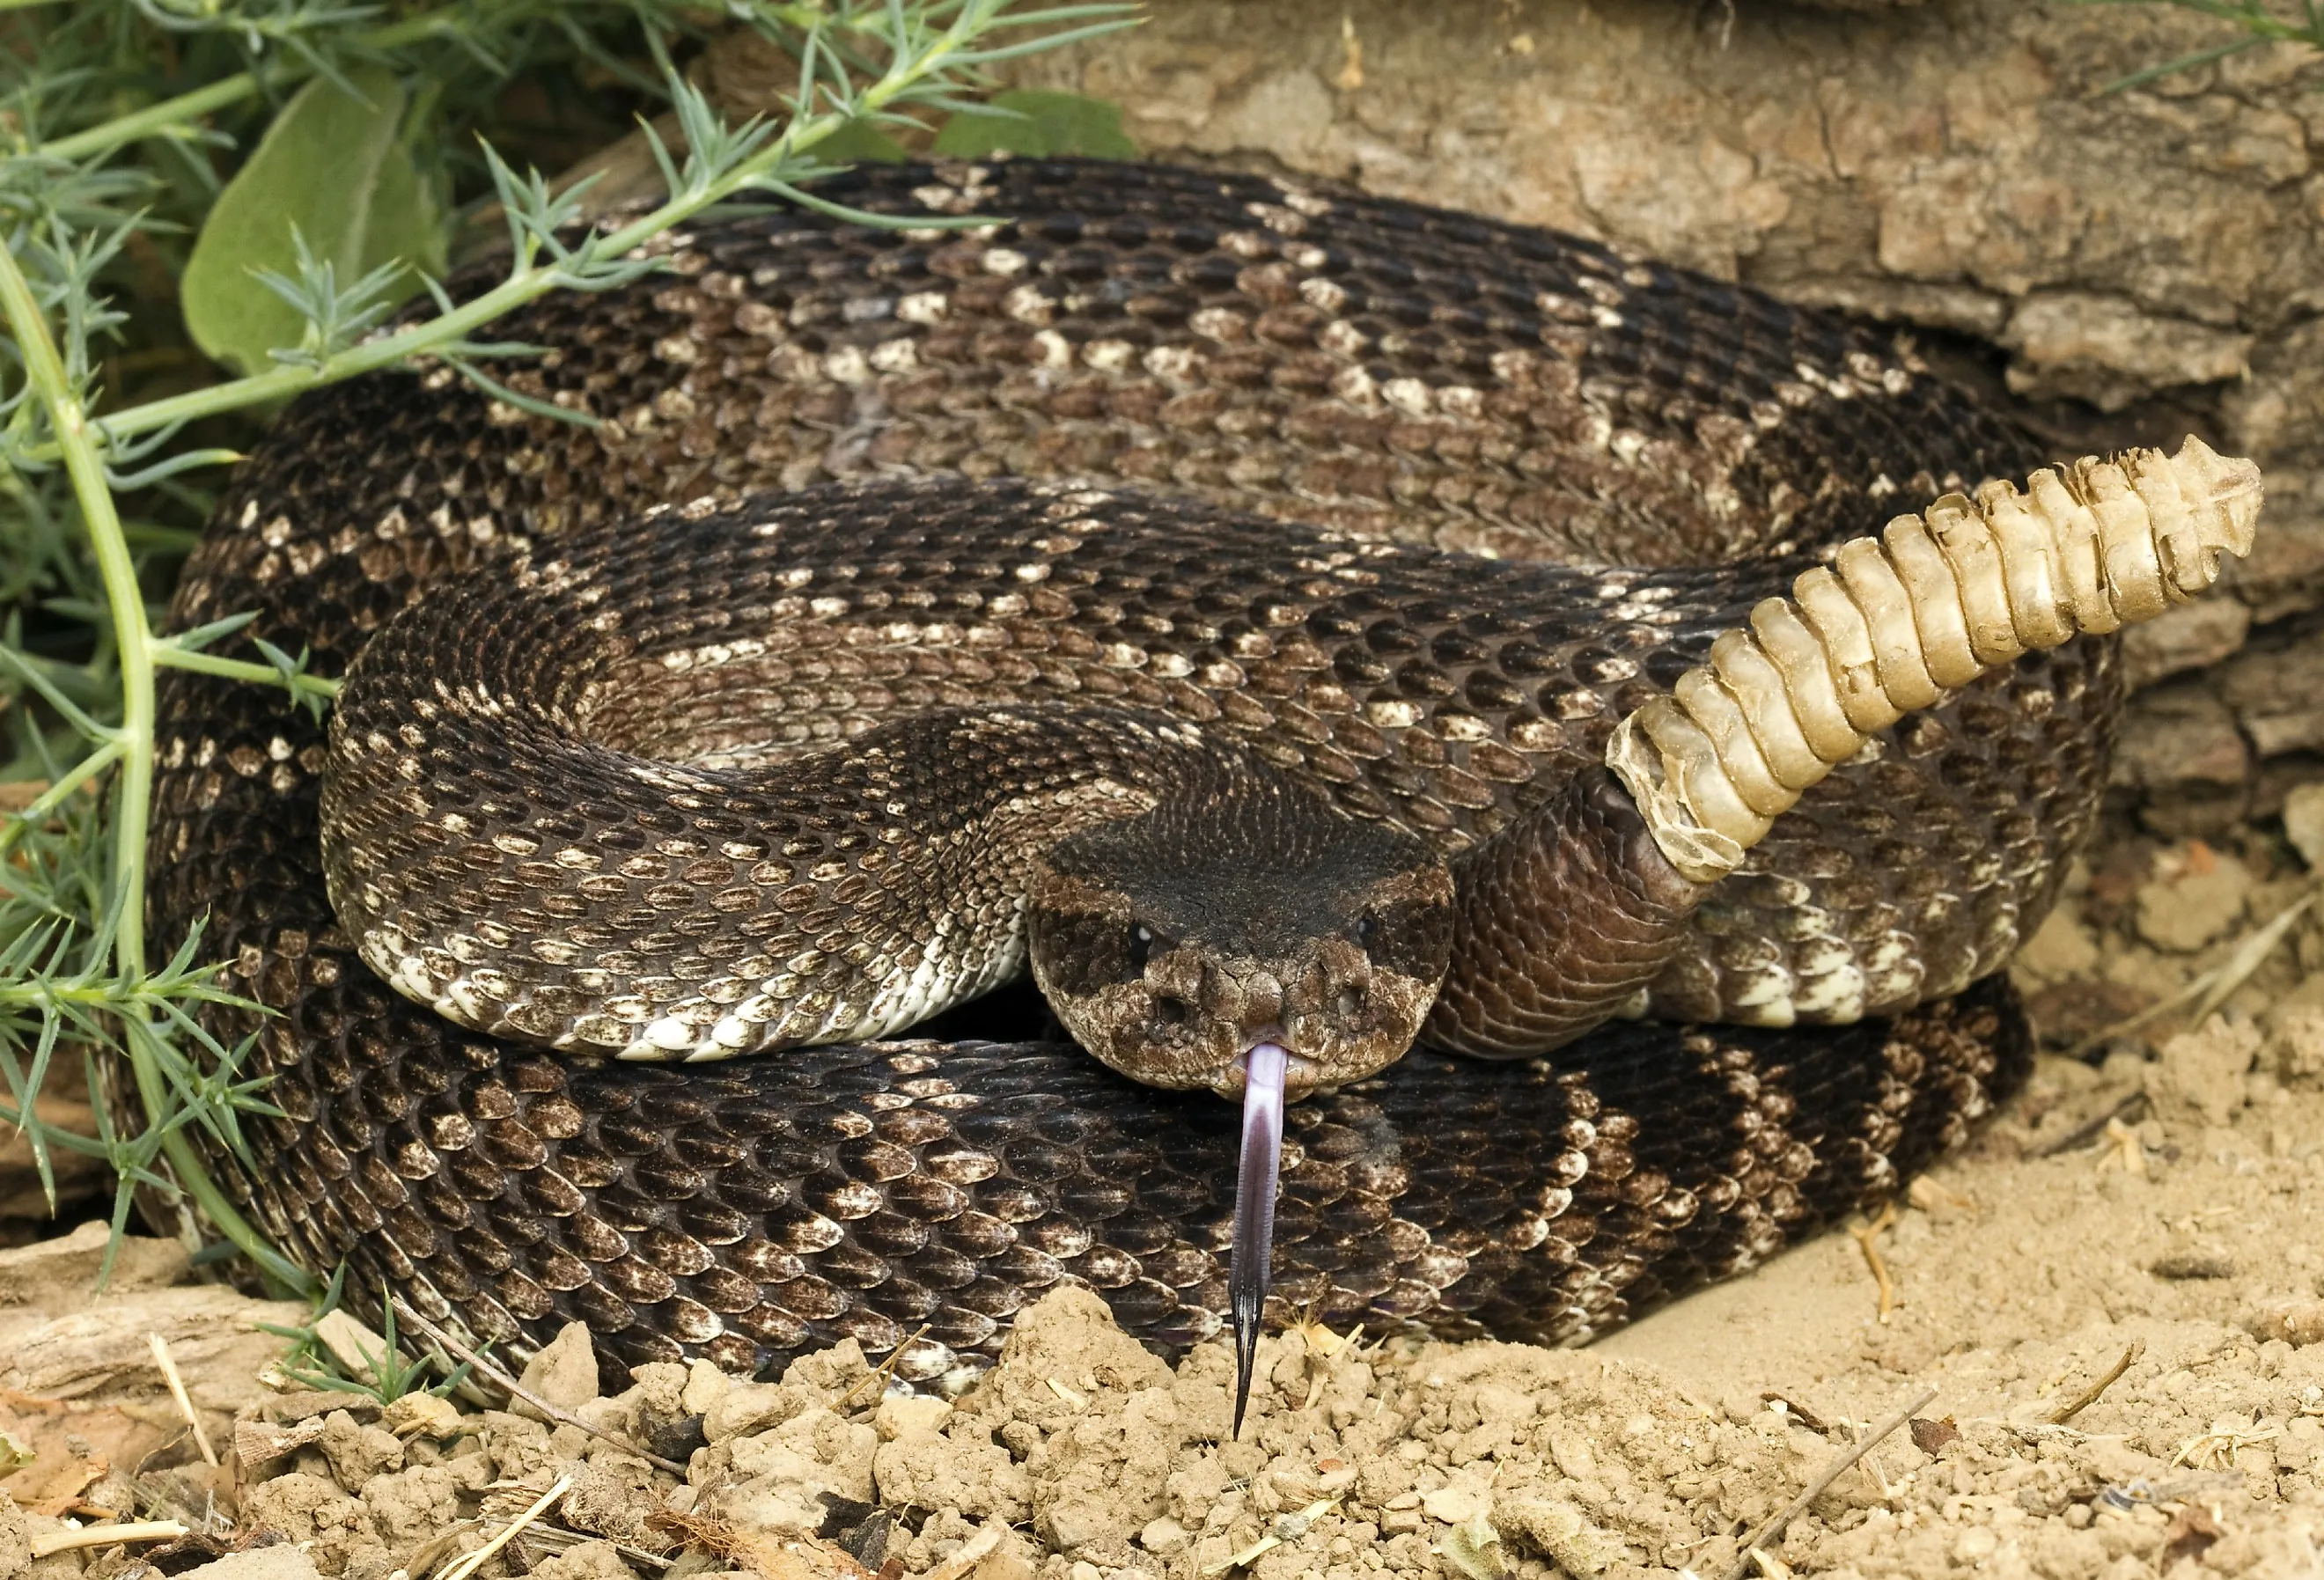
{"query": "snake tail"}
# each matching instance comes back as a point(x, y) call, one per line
point(1893, 625)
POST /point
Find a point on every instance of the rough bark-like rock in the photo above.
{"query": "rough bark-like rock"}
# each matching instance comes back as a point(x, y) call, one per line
point(2127, 266)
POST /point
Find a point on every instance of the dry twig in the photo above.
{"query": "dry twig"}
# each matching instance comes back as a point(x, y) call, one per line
point(883, 1373)
point(500, 1379)
point(2091, 1130)
point(2090, 1396)
point(1798, 1412)
point(1868, 1240)
point(2209, 989)
point(1832, 1472)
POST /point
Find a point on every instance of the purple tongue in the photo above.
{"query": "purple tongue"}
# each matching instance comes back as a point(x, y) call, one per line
point(1252, 1261)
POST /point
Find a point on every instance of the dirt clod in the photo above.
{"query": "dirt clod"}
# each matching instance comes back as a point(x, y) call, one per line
point(279, 1561)
point(564, 1370)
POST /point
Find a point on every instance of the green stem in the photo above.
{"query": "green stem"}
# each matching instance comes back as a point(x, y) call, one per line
point(170, 655)
point(527, 283)
point(44, 372)
point(184, 110)
point(187, 108)
point(55, 796)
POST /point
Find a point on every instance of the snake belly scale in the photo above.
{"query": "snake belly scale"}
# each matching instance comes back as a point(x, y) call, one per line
point(1413, 386)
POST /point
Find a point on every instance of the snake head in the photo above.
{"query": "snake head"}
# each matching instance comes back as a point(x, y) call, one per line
point(1258, 944)
point(1172, 943)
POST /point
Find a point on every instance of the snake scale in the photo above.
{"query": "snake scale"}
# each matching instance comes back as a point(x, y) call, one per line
point(1209, 447)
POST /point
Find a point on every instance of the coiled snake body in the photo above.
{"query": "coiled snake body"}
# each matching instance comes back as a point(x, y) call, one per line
point(1676, 446)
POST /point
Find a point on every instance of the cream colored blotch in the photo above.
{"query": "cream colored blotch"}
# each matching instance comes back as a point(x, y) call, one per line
point(1894, 624)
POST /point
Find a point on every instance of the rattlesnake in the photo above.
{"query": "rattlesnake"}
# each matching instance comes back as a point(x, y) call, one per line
point(1224, 452)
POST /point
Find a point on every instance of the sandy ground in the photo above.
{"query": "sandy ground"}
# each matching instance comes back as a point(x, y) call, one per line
point(2148, 1212)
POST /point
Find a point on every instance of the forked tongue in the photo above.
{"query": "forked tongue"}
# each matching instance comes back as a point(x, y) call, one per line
point(1252, 1259)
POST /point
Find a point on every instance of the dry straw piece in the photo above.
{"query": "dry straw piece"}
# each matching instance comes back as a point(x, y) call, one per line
point(1895, 622)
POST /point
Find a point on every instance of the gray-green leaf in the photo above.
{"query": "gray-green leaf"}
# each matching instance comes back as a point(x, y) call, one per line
point(860, 142)
point(1046, 124)
point(334, 166)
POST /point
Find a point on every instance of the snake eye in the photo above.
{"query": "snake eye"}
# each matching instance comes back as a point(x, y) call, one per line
point(1367, 932)
point(1141, 944)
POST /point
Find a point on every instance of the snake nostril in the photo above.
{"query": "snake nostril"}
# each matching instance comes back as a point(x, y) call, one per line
point(1169, 1010)
point(1349, 1002)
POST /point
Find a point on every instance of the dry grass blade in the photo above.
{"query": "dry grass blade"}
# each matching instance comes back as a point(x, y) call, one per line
point(970, 1554)
point(106, 1536)
point(1832, 1472)
point(2212, 988)
point(162, 1358)
point(2249, 955)
point(507, 1533)
point(499, 1378)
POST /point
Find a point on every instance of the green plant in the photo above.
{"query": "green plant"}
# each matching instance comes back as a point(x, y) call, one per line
point(2259, 22)
point(382, 1376)
point(370, 127)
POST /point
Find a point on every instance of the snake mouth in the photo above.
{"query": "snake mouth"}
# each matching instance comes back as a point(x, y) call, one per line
point(1301, 1074)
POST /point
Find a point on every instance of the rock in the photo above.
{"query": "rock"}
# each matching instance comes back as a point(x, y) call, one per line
point(776, 1480)
point(611, 1501)
point(2201, 1072)
point(1164, 1537)
point(2186, 911)
point(358, 1347)
point(422, 1414)
point(281, 1561)
point(2189, 1262)
point(104, 1352)
point(660, 1386)
point(901, 1415)
point(520, 1445)
point(2060, 948)
point(408, 1507)
point(817, 1446)
point(838, 1372)
point(2303, 823)
point(706, 1385)
point(2103, 349)
point(2294, 1322)
point(745, 1408)
point(2277, 693)
point(1069, 1335)
point(59, 1276)
point(2187, 637)
point(2179, 738)
point(2284, 574)
point(1559, 1532)
point(358, 1453)
point(82, 1179)
point(588, 1560)
point(255, 1443)
point(335, 1529)
point(1459, 1500)
point(963, 1470)
point(2296, 1048)
point(2283, 408)
point(15, 1540)
point(564, 1370)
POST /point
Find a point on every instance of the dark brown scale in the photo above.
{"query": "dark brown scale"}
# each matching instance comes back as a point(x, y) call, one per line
point(1563, 403)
